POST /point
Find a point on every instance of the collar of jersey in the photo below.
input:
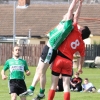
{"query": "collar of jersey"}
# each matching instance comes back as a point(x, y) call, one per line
point(16, 58)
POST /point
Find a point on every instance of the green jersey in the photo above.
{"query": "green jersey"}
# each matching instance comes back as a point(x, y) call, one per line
point(58, 34)
point(16, 68)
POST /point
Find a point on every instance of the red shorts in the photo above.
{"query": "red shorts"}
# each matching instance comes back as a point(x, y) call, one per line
point(62, 65)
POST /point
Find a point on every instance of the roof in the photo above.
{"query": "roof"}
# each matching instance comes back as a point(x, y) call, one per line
point(40, 18)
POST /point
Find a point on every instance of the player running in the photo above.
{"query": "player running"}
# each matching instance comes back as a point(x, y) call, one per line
point(16, 67)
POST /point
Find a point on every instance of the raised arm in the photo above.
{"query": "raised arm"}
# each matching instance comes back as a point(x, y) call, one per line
point(69, 14)
point(77, 12)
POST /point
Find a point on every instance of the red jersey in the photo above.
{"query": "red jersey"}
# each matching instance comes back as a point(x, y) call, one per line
point(72, 44)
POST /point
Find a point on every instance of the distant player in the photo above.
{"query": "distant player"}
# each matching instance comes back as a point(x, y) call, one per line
point(16, 67)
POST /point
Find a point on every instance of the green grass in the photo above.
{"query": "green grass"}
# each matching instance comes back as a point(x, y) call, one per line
point(92, 74)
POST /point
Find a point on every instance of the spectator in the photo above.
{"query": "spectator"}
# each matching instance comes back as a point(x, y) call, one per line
point(88, 86)
point(76, 83)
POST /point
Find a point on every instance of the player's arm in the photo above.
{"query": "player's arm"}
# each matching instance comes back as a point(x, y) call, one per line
point(69, 14)
point(81, 62)
point(6, 66)
point(26, 69)
point(4, 77)
point(82, 57)
point(27, 72)
point(77, 12)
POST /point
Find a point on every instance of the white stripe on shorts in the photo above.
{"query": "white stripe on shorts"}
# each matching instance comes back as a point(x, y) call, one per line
point(49, 55)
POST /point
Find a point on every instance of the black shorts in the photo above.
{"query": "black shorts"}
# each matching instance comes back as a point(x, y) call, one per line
point(17, 86)
point(90, 89)
point(48, 55)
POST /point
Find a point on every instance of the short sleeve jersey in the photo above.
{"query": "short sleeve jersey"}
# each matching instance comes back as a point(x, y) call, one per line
point(16, 68)
point(58, 34)
point(73, 43)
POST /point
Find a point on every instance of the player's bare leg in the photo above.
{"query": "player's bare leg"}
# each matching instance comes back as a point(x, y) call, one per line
point(13, 96)
point(54, 84)
point(66, 84)
point(40, 74)
point(23, 98)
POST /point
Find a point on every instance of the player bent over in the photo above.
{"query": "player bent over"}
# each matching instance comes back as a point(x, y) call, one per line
point(63, 61)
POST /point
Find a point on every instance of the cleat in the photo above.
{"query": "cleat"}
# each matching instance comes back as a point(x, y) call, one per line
point(39, 97)
point(27, 93)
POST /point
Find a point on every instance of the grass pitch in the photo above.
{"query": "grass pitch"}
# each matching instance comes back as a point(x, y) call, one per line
point(92, 73)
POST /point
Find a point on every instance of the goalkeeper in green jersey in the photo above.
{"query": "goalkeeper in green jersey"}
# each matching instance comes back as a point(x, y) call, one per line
point(16, 67)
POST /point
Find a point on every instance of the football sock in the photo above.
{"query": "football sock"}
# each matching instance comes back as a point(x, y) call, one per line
point(42, 91)
point(51, 94)
point(32, 88)
point(66, 95)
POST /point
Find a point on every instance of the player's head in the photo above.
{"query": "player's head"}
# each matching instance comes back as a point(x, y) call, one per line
point(16, 51)
point(85, 32)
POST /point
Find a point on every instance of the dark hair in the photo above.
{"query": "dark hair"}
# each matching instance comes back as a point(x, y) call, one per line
point(86, 79)
point(85, 32)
